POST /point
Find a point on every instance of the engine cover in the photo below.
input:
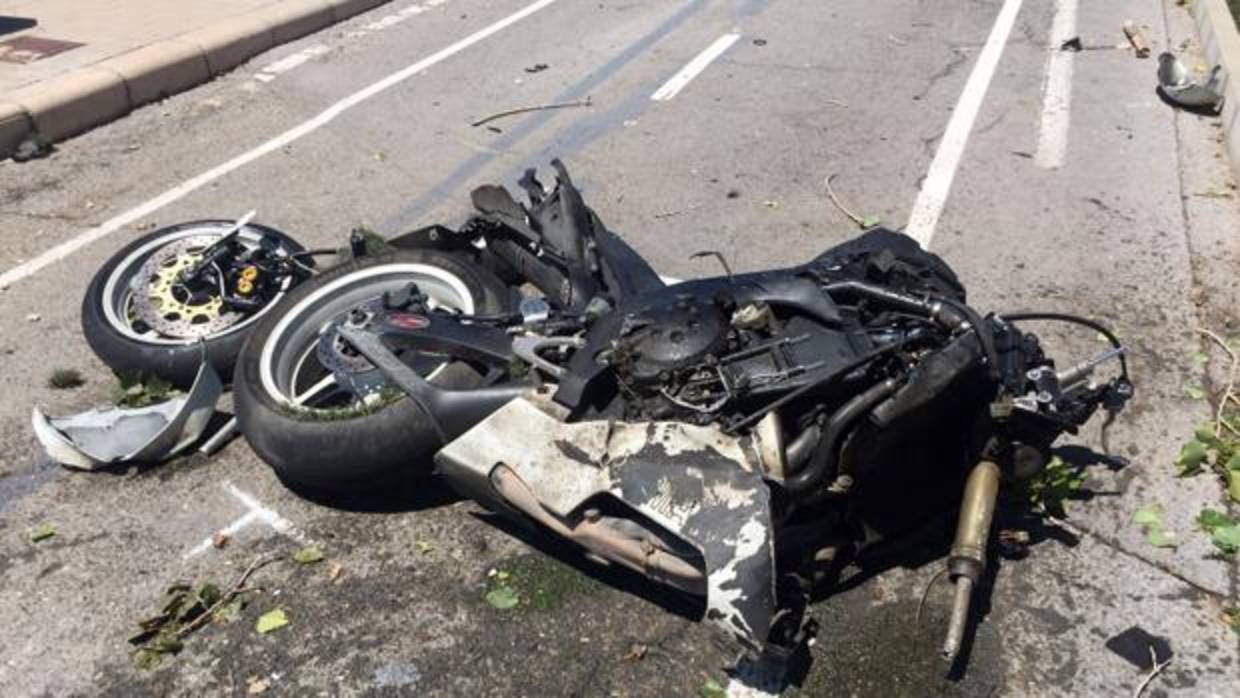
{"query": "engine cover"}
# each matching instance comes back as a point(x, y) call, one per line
point(667, 336)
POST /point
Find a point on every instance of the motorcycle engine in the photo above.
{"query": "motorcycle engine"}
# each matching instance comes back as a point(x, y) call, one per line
point(669, 338)
point(693, 356)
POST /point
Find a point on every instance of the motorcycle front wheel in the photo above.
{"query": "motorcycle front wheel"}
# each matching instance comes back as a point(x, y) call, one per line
point(141, 324)
point(319, 435)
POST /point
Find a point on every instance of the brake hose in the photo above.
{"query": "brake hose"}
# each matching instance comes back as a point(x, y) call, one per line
point(1076, 320)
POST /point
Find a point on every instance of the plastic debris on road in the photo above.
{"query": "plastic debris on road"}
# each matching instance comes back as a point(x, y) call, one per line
point(105, 435)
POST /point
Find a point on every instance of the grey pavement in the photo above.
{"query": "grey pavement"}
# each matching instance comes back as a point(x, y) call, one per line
point(1138, 227)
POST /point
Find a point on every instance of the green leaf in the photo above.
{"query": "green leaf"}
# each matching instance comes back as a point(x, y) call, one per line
point(230, 611)
point(870, 221)
point(1210, 519)
point(712, 689)
point(166, 644)
point(502, 597)
point(1192, 455)
point(1227, 538)
point(1160, 537)
point(271, 620)
point(1192, 391)
point(208, 594)
point(1233, 463)
point(1149, 515)
point(1199, 357)
point(424, 547)
point(1205, 434)
point(42, 532)
point(308, 556)
point(1231, 616)
point(146, 660)
point(1233, 484)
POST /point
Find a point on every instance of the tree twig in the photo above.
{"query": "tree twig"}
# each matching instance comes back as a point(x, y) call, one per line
point(537, 107)
point(1229, 391)
point(237, 589)
point(1155, 668)
point(838, 204)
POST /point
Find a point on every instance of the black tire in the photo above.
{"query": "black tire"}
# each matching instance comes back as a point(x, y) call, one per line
point(177, 363)
point(352, 452)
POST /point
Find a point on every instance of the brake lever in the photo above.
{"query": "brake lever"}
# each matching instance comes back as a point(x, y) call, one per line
point(208, 255)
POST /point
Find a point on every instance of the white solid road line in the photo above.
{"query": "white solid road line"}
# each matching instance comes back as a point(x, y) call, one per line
point(110, 226)
point(677, 82)
point(1057, 91)
point(938, 182)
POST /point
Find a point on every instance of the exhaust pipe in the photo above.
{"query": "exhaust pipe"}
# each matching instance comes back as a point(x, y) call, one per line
point(602, 540)
point(968, 554)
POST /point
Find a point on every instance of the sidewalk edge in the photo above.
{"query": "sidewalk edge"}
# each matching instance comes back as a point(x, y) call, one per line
point(1221, 42)
point(93, 95)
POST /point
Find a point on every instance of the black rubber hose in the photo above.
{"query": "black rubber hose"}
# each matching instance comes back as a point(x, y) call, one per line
point(945, 311)
point(822, 462)
point(1076, 320)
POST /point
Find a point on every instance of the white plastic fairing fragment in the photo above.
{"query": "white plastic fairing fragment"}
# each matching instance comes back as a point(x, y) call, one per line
point(106, 435)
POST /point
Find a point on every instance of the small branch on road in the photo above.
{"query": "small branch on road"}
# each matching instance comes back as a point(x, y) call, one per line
point(1229, 392)
point(839, 205)
point(537, 107)
point(236, 590)
point(1155, 668)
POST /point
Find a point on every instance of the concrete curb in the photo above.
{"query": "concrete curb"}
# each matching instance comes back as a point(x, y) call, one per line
point(1221, 43)
point(70, 104)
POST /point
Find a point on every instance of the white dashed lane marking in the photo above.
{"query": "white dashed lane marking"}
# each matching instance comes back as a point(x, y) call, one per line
point(693, 68)
point(1057, 92)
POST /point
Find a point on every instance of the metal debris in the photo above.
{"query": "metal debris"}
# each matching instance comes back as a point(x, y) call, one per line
point(1177, 84)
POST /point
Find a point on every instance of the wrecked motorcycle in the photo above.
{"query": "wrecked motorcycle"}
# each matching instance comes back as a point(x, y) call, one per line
point(730, 437)
point(154, 307)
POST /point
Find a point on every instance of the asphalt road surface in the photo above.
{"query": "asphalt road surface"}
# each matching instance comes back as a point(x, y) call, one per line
point(1068, 188)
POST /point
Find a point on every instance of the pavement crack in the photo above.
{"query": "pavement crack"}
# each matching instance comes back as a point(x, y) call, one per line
point(959, 56)
point(1105, 208)
point(1113, 544)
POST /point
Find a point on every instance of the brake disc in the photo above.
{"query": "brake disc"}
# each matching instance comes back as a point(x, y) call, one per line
point(165, 305)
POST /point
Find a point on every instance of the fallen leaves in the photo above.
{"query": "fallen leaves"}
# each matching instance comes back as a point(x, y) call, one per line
point(308, 556)
point(42, 532)
point(1223, 531)
point(712, 689)
point(1150, 518)
point(1216, 449)
point(271, 621)
point(502, 597)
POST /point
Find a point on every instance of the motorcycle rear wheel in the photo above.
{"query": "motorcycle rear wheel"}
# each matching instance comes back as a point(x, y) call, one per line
point(317, 435)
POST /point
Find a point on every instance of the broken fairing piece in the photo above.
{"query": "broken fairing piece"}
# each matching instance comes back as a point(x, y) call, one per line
point(1178, 85)
point(683, 504)
point(106, 435)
